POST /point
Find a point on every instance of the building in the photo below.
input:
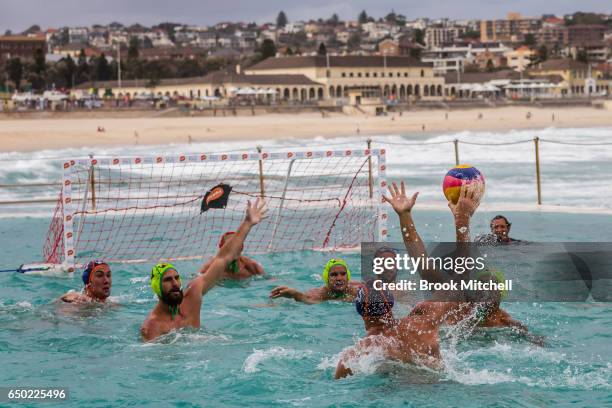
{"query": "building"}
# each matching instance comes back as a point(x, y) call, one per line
point(513, 29)
point(584, 35)
point(78, 35)
point(388, 47)
point(579, 79)
point(490, 60)
point(21, 46)
point(520, 58)
point(398, 77)
point(440, 36)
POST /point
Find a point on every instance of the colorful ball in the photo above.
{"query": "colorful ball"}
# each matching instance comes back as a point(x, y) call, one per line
point(458, 176)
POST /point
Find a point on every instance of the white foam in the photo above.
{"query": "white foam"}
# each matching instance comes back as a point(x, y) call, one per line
point(259, 356)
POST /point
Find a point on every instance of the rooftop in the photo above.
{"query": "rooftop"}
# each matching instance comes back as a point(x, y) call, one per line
point(320, 61)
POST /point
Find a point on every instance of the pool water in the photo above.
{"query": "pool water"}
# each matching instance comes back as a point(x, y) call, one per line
point(254, 352)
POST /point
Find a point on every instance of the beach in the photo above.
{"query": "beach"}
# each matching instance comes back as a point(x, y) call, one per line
point(102, 129)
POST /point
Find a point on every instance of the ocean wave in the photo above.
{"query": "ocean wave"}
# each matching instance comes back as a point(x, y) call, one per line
point(258, 357)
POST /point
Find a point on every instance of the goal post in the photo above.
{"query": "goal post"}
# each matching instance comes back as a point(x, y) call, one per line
point(148, 208)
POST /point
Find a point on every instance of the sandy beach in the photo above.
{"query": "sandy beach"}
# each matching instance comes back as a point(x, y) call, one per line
point(39, 133)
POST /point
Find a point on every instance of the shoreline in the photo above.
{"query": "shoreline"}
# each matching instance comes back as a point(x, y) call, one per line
point(33, 134)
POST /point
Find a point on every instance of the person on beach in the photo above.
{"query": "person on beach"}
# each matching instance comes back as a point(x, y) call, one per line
point(240, 269)
point(97, 278)
point(338, 286)
point(176, 309)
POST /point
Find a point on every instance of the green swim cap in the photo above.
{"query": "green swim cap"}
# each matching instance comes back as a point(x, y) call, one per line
point(157, 273)
point(497, 274)
point(330, 264)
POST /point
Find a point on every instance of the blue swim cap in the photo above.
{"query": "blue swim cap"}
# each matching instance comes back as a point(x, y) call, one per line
point(89, 269)
point(373, 303)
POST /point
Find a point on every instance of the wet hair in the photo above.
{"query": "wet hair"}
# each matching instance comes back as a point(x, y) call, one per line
point(500, 217)
point(373, 303)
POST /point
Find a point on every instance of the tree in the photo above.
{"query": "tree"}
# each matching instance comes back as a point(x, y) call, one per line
point(102, 69)
point(582, 56)
point(8, 32)
point(363, 17)
point(289, 51)
point(68, 70)
point(542, 53)
point(133, 49)
point(281, 19)
point(334, 20)
point(419, 36)
point(15, 71)
point(530, 40)
point(40, 64)
point(268, 49)
point(322, 49)
point(490, 66)
point(354, 41)
point(82, 71)
point(391, 17)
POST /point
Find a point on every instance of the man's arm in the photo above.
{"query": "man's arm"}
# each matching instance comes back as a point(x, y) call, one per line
point(309, 298)
point(412, 240)
point(231, 250)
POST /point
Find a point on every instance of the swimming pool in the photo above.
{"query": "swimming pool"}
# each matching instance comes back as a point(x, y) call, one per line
point(251, 352)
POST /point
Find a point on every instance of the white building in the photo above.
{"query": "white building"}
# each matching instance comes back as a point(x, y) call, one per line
point(78, 35)
point(440, 36)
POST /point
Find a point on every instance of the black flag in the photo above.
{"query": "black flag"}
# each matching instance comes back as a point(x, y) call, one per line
point(216, 197)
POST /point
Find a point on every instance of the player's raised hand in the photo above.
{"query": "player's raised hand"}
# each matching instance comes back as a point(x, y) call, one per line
point(468, 201)
point(399, 200)
point(256, 212)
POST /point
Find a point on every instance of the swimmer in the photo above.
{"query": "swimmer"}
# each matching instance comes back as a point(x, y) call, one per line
point(338, 286)
point(242, 268)
point(97, 278)
point(176, 309)
point(463, 210)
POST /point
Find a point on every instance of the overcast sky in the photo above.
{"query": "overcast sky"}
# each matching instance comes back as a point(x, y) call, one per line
point(17, 15)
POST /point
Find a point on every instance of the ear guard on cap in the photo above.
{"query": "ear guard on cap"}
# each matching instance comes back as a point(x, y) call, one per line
point(330, 264)
point(157, 273)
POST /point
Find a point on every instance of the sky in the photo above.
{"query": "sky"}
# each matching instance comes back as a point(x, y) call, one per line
point(18, 15)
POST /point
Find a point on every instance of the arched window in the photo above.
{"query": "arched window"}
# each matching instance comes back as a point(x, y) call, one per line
point(320, 94)
point(422, 73)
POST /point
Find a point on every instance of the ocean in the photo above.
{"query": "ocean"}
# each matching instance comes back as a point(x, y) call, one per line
point(252, 351)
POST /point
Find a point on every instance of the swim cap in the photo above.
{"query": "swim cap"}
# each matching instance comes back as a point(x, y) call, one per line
point(373, 303)
point(90, 268)
point(157, 273)
point(494, 273)
point(330, 264)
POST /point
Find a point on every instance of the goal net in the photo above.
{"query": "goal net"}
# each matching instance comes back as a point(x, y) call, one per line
point(148, 209)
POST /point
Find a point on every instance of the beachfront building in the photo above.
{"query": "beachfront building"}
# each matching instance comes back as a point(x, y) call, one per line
point(398, 77)
point(579, 79)
point(314, 79)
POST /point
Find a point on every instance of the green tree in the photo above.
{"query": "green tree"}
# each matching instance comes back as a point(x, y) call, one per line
point(419, 36)
point(15, 71)
point(542, 53)
point(268, 49)
point(102, 69)
point(334, 20)
point(490, 66)
point(354, 41)
point(281, 19)
point(68, 70)
point(289, 51)
point(529, 40)
point(363, 17)
point(40, 65)
point(133, 49)
point(322, 49)
point(582, 56)
point(83, 69)
point(391, 18)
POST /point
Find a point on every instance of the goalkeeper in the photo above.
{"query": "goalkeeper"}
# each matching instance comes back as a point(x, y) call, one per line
point(176, 309)
point(239, 269)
